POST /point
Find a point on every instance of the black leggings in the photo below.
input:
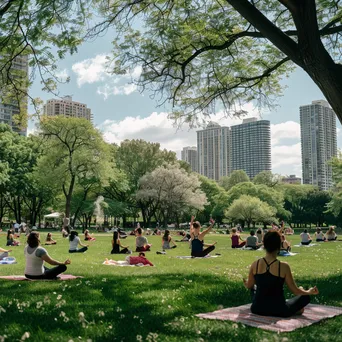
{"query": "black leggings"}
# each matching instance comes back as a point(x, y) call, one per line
point(306, 243)
point(49, 273)
point(292, 306)
point(81, 250)
point(203, 253)
point(123, 251)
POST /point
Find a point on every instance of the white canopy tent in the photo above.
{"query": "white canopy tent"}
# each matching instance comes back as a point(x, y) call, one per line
point(53, 215)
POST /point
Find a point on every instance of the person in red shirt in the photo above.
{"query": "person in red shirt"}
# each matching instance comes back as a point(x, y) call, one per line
point(141, 259)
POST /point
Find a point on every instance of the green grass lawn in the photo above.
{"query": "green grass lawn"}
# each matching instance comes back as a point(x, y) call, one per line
point(156, 303)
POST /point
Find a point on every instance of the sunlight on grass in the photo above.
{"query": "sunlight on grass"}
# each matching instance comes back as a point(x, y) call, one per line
point(156, 303)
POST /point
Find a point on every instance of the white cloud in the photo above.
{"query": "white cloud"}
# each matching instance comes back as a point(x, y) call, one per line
point(97, 69)
point(91, 70)
point(285, 130)
point(286, 159)
point(108, 90)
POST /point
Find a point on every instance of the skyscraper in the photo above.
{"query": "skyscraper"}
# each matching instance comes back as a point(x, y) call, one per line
point(319, 143)
point(68, 108)
point(213, 146)
point(251, 146)
point(189, 154)
point(9, 110)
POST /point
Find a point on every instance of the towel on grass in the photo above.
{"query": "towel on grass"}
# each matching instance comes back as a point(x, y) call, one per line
point(242, 314)
point(22, 277)
point(8, 261)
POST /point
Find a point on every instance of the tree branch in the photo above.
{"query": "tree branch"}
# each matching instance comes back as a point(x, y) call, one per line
point(5, 8)
point(270, 31)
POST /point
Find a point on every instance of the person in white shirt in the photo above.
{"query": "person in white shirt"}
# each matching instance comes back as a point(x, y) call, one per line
point(319, 235)
point(74, 242)
point(305, 238)
point(35, 256)
point(330, 234)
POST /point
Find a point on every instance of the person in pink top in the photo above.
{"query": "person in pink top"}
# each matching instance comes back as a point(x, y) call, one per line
point(236, 238)
point(141, 259)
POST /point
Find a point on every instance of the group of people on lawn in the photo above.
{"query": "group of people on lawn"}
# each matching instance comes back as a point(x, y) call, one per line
point(266, 276)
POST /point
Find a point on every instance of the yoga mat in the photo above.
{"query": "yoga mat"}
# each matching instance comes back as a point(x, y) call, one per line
point(311, 245)
point(22, 277)
point(242, 314)
point(190, 257)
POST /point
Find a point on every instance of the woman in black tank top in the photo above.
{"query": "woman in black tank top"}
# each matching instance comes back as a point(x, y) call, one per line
point(266, 280)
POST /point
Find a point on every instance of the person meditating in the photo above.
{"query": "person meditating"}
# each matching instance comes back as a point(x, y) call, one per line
point(268, 276)
point(305, 238)
point(330, 235)
point(236, 238)
point(166, 240)
point(74, 242)
point(87, 236)
point(141, 242)
point(116, 244)
point(197, 237)
point(252, 241)
point(35, 256)
point(49, 240)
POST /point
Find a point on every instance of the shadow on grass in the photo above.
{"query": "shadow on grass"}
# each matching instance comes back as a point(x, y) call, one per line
point(119, 308)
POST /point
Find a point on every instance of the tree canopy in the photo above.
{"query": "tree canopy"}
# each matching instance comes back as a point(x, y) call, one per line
point(199, 55)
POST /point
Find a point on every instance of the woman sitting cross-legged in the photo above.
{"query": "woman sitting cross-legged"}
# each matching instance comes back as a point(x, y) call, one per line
point(268, 276)
point(319, 235)
point(330, 234)
point(49, 240)
point(305, 238)
point(236, 238)
point(166, 240)
point(141, 243)
point(197, 237)
point(116, 244)
point(74, 242)
point(36, 255)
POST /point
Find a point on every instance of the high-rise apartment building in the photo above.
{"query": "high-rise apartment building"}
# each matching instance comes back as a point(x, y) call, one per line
point(213, 146)
point(8, 111)
point(319, 143)
point(68, 108)
point(189, 154)
point(251, 146)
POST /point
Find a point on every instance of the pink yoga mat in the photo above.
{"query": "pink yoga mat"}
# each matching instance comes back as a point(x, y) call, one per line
point(61, 277)
point(242, 314)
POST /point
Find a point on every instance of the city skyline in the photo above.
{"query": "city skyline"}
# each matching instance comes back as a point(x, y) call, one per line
point(122, 112)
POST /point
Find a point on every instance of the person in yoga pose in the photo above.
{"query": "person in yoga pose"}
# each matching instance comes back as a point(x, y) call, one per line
point(268, 276)
point(49, 240)
point(116, 244)
point(260, 235)
point(141, 259)
point(10, 239)
point(252, 241)
point(319, 235)
point(74, 242)
point(166, 240)
point(285, 245)
point(4, 253)
point(305, 238)
point(141, 242)
point(197, 237)
point(236, 238)
point(87, 236)
point(35, 256)
point(330, 234)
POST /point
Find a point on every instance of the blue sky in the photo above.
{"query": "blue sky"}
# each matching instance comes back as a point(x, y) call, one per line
point(121, 112)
